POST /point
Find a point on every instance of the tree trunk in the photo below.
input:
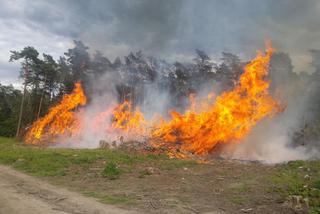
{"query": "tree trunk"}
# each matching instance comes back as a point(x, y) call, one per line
point(41, 99)
point(22, 100)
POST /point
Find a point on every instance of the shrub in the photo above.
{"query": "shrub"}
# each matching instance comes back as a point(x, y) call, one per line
point(111, 171)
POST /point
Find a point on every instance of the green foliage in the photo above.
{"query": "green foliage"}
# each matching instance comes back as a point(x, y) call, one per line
point(79, 61)
point(9, 110)
point(111, 171)
point(45, 80)
point(299, 178)
point(316, 184)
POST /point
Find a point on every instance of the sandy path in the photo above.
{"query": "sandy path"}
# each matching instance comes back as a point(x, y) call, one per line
point(22, 194)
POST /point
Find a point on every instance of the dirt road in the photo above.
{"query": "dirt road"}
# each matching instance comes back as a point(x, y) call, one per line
point(20, 193)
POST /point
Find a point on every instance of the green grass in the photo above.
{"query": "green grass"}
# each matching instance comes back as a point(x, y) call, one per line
point(299, 178)
point(111, 171)
point(240, 192)
point(57, 161)
point(240, 199)
point(110, 199)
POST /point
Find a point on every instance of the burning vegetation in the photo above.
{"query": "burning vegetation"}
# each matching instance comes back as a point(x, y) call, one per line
point(229, 119)
point(224, 119)
point(60, 120)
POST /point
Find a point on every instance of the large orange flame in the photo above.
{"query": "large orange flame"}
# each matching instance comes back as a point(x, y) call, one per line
point(61, 119)
point(129, 120)
point(121, 121)
point(229, 119)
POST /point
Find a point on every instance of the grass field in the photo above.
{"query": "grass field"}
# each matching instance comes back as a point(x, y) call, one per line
point(148, 180)
point(55, 161)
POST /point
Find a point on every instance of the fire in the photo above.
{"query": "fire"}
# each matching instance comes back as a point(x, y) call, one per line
point(229, 119)
point(120, 121)
point(61, 119)
point(128, 120)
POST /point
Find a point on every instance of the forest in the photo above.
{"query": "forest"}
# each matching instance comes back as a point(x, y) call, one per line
point(46, 80)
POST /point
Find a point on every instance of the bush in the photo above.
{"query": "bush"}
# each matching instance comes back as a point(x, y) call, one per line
point(111, 171)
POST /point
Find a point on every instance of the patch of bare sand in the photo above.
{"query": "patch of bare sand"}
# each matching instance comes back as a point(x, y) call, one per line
point(22, 194)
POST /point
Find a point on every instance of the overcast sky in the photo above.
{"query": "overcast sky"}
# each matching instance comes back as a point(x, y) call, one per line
point(170, 29)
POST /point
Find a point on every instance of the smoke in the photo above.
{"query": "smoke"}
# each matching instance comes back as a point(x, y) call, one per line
point(127, 81)
point(169, 29)
point(96, 116)
point(117, 27)
point(273, 140)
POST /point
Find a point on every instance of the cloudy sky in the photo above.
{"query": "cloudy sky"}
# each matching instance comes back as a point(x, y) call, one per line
point(170, 29)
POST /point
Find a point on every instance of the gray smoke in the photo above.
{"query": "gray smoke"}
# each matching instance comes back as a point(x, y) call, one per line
point(273, 140)
point(172, 30)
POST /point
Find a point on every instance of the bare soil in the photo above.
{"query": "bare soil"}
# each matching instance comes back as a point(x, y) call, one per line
point(224, 186)
point(22, 194)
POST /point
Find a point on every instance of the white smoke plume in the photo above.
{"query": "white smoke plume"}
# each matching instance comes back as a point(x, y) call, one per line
point(271, 141)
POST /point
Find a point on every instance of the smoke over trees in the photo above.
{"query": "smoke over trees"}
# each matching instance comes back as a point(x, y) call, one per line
point(47, 80)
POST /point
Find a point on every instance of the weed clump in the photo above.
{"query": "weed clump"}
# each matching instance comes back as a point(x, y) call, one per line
point(111, 171)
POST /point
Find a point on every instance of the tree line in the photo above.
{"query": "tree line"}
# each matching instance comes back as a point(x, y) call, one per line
point(46, 80)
